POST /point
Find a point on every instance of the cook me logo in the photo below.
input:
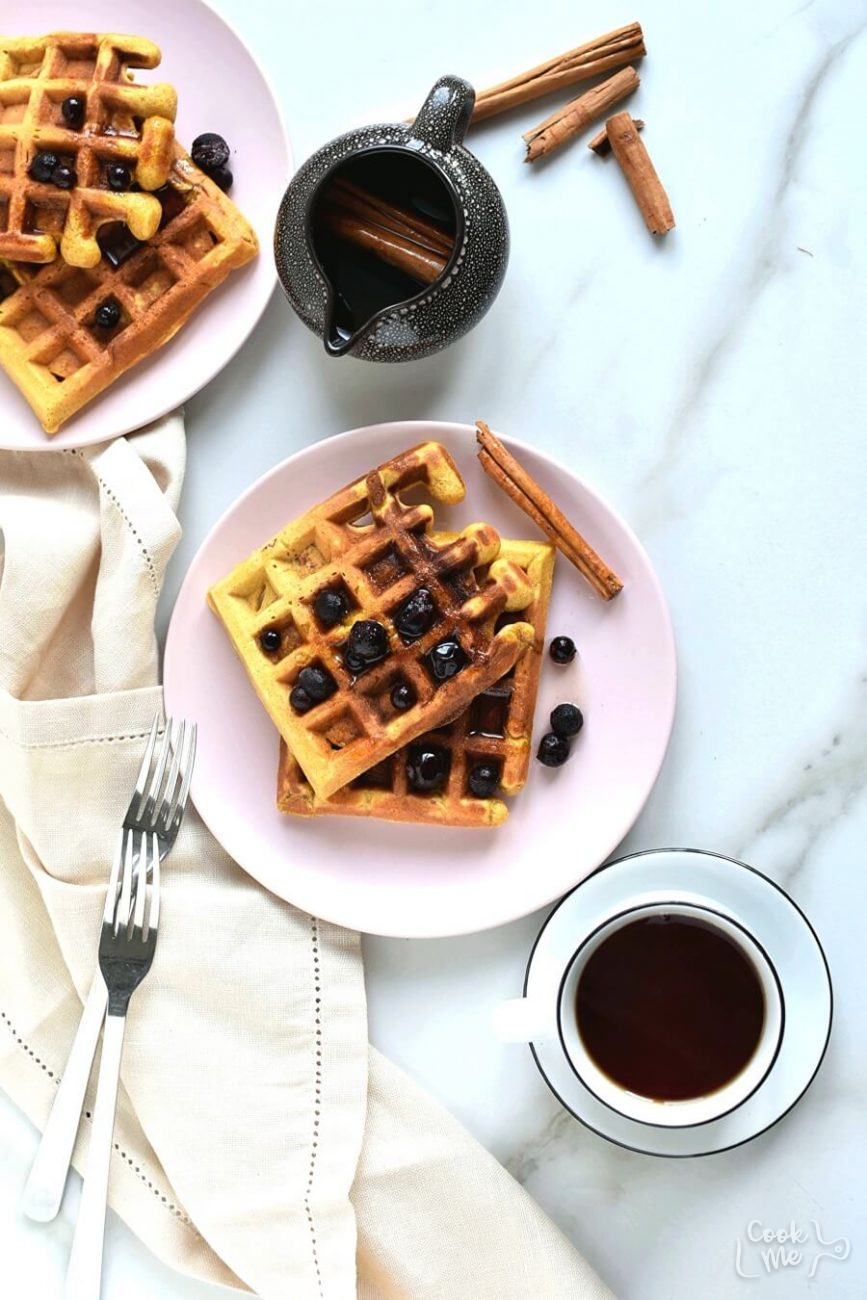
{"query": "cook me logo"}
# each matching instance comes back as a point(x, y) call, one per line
point(775, 1250)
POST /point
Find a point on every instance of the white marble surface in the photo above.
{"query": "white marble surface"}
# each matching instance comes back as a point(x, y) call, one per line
point(713, 388)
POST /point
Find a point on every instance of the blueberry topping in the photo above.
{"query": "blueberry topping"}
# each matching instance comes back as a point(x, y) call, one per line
point(553, 750)
point(222, 178)
point(330, 607)
point(119, 176)
point(64, 176)
point(269, 640)
point(483, 780)
point(352, 663)
point(300, 700)
point(413, 618)
point(562, 650)
point(446, 659)
point(368, 641)
point(42, 167)
point(316, 682)
point(402, 696)
point(567, 720)
point(209, 151)
point(107, 314)
point(72, 109)
point(427, 767)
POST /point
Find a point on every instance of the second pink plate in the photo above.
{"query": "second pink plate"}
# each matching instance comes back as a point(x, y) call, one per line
point(422, 881)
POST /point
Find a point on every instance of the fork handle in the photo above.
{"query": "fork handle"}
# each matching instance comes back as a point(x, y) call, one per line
point(84, 1274)
point(43, 1191)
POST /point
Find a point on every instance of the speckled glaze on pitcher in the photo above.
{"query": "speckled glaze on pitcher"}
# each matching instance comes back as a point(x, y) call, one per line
point(457, 299)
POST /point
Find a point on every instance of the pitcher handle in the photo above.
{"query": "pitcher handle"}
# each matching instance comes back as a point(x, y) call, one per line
point(444, 116)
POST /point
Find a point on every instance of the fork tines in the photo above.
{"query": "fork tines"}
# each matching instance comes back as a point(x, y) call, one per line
point(163, 783)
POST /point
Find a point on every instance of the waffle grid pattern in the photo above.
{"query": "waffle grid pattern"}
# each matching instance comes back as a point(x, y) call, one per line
point(123, 122)
point(49, 342)
point(376, 564)
point(495, 728)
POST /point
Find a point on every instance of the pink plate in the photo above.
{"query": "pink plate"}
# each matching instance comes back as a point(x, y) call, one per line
point(414, 880)
point(195, 43)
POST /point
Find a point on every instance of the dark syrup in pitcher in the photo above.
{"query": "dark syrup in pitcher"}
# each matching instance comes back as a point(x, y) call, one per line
point(670, 1008)
point(362, 283)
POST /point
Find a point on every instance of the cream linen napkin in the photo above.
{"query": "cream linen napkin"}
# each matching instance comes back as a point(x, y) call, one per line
point(258, 1143)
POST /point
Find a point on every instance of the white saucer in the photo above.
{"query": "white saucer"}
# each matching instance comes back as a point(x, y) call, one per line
point(690, 875)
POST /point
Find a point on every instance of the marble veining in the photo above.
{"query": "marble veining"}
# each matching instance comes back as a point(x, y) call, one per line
point(713, 387)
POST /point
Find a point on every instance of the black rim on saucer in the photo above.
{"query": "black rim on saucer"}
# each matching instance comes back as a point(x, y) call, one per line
point(693, 1155)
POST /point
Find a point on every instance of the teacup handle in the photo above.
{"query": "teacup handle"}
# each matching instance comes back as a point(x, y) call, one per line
point(521, 1020)
point(444, 116)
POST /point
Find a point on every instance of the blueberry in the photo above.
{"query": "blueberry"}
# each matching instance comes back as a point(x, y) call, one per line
point(562, 650)
point(222, 178)
point(352, 663)
point(413, 618)
point(567, 720)
point(64, 176)
point(402, 696)
point(368, 641)
point(107, 314)
point(300, 700)
point(269, 640)
point(209, 151)
point(427, 767)
point(446, 659)
point(119, 176)
point(330, 607)
point(72, 109)
point(316, 682)
point(483, 780)
point(553, 750)
point(42, 167)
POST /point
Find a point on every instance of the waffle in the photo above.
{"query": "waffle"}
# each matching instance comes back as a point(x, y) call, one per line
point(49, 342)
point(376, 563)
point(496, 728)
point(122, 123)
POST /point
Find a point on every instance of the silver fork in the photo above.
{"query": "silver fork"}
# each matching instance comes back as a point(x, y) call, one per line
point(148, 812)
point(126, 951)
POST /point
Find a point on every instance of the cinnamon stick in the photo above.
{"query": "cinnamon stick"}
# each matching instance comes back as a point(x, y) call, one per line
point(388, 245)
point(569, 121)
point(613, 50)
point(640, 173)
point(372, 208)
point(601, 145)
point(510, 475)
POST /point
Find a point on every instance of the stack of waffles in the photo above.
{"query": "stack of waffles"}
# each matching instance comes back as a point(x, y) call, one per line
point(152, 251)
point(394, 737)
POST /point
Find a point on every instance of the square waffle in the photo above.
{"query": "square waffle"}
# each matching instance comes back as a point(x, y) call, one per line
point(50, 344)
point(369, 544)
point(496, 729)
point(122, 123)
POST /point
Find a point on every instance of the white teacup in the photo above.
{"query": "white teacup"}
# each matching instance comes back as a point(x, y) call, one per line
point(523, 1020)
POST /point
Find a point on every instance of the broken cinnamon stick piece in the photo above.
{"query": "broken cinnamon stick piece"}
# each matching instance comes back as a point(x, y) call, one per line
point(510, 475)
point(613, 50)
point(570, 120)
point(601, 145)
point(640, 173)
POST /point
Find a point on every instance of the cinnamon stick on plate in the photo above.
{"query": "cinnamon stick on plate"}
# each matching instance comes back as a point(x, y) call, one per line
point(613, 50)
point(640, 173)
point(569, 121)
point(510, 475)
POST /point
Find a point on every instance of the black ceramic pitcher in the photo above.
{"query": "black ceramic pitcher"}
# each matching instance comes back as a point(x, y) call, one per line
point(355, 303)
